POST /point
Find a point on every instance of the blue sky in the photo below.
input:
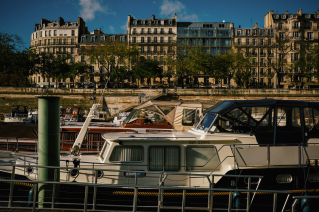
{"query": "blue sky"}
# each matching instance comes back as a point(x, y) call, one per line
point(19, 16)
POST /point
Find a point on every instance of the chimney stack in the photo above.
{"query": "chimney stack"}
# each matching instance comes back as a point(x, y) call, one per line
point(153, 17)
point(256, 25)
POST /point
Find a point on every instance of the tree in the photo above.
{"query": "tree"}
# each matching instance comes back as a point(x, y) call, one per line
point(113, 56)
point(197, 61)
point(26, 64)
point(146, 68)
point(77, 69)
point(277, 55)
point(237, 63)
point(179, 62)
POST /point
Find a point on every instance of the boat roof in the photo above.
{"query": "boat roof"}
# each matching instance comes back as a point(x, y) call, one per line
point(226, 106)
point(172, 111)
point(184, 137)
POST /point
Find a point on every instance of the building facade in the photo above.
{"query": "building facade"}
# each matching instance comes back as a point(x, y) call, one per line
point(57, 38)
point(257, 44)
point(295, 35)
point(154, 38)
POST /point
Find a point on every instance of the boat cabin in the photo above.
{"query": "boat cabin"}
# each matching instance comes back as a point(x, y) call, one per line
point(177, 115)
point(272, 121)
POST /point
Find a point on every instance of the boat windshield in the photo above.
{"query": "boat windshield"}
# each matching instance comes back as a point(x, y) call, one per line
point(206, 122)
point(138, 117)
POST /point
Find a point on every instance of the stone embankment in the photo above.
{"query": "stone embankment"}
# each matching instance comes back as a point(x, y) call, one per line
point(120, 99)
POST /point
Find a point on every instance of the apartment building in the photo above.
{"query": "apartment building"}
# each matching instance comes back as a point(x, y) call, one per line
point(154, 37)
point(58, 38)
point(213, 37)
point(295, 34)
point(257, 44)
point(98, 71)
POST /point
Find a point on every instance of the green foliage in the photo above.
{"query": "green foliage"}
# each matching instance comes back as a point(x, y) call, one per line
point(144, 68)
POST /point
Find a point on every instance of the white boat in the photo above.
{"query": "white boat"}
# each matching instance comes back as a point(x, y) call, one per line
point(231, 138)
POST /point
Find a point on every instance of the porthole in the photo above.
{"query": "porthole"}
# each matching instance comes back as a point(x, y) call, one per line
point(284, 178)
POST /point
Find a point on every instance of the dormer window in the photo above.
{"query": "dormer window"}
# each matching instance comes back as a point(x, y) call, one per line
point(162, 22)
point(283, 16)
point(83, 39)
point(238, 32)
point(170, 22)
point(143, 22)
point(112, 38)
point(43, 25)
point(276, 16)
point(52, 25)
point(291, 16)
point(317, 15)
point(122, 38)
point(308, 16)
point(93, 39)
point(155, 22)
point(66, 24)
point(134, 22)
point(102, 38)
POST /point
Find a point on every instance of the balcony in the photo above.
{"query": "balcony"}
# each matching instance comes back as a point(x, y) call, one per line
point(55, 44)
point(262, 64)
point(263, 55)
point(152, 42)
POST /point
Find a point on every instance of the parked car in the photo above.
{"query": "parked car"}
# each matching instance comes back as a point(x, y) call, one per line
point(85, 85)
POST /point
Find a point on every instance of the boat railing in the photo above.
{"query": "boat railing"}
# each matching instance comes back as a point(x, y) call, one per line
point(77, 196)
point(156, 138)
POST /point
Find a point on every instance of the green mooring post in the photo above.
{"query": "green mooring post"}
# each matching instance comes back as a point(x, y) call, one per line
point(48, 146)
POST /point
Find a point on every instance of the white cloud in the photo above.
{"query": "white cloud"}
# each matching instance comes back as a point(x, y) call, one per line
point(90, 7)
point(169, 8)
point(111, 29)
point(124, 26)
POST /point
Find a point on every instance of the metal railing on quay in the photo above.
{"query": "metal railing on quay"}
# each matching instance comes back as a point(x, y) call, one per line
point(76, 200)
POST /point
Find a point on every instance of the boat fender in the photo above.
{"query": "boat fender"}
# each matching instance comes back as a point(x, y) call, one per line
point(305, 207)
point(30, 197)
point(75, 172)
point(236, 200)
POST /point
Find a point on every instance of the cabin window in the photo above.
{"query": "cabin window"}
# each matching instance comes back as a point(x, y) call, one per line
point(311, 116)
point(206, 122)
point(201, 158)
point(166, 109)
point(127, 154)
point(167, 158)
point(103, 153)
point(190, 117)
point(288, 119)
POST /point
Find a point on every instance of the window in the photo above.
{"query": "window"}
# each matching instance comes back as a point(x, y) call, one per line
point(122, 38)
point(239, 41)
point(169, 39)
point(170, 22)
point(72, 59)
point(162, 39)
point(64, 41)
point(142, 39)
point(308, 25)
point(149, 30)
point(162, 22)
point(269, 42)
point(41, 34)
point(93, 39)
point(254, 42)
point(50, 33)
point(247, 42)
point(296, 25)
point(238, 32)
point(72, 50)
point(155, 31)
point(142, 49)
point(155, 57)
point(296, 34)
point(198, 156)
point(82, 58)
point(162, 30)
point(164, 158)
point(142, 31)
point(148, 39)
point(262, 42)
point(148, 49)
point(73, 32)
point(49, 41)
point(280, 25)
point(309, 35)
point(143, 22)
point(83, 39)
point(190, 117)
point(170, 31)
point(127, 154)
point(134, 22)
point(102, 38)
point(155, 49)
point(155, 39)
point(55, 33)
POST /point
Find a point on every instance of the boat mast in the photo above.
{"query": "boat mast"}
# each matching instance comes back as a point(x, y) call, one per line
point(79, 140)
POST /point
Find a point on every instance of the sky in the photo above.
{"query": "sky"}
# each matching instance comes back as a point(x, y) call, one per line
point(20, 16)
